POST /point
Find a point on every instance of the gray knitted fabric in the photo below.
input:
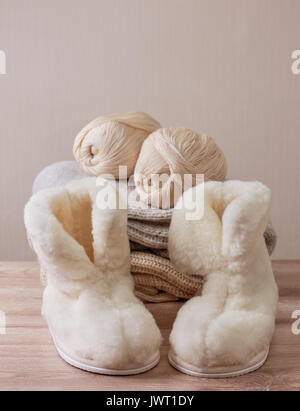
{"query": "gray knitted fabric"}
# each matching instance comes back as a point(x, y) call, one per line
point(137, 210)
point(153, 236)
point(148, 214)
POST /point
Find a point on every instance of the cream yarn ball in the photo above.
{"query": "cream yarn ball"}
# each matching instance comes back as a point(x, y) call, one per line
point(111, 141)
point(174, 152)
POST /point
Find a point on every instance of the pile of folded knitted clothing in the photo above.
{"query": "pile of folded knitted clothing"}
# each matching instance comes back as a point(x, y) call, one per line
point(156, 280)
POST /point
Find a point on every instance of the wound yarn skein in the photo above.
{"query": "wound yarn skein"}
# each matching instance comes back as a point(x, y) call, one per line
point(111, 141)
point(174, 152)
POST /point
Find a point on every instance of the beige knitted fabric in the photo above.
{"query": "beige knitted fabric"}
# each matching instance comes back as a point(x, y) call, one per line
point(157, 251)
point(153, 272)
point(160, 297)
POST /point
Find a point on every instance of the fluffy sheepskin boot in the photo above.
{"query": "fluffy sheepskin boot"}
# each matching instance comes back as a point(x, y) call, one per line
point(228, 329)
point(96, 321)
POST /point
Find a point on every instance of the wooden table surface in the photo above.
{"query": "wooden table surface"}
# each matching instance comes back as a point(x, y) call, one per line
point(28, 360)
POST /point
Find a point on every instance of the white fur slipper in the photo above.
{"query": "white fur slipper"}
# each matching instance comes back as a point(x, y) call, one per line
point(95, 319)
point(218, 372)
point(228, 329)
point(91, 366)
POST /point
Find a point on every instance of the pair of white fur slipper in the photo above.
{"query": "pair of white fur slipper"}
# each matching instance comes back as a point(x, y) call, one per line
point(99, 325)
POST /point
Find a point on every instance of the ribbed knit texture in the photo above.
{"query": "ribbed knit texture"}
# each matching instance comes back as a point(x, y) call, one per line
point(155, 273)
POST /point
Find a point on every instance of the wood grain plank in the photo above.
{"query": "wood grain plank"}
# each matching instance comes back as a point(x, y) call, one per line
point(28, 359)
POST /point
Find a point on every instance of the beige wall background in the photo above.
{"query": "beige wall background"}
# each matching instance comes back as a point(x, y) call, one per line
point(218, 66)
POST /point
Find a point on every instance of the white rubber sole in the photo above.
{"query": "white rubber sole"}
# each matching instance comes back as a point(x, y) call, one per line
point(106, 371)
point(218, 372)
